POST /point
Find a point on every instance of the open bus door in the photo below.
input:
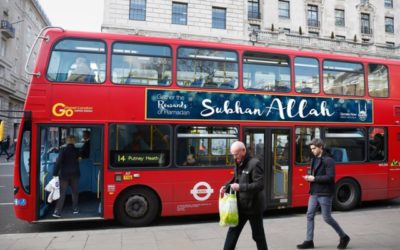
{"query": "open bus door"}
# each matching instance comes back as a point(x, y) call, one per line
point(272, 147)
point(51, 140)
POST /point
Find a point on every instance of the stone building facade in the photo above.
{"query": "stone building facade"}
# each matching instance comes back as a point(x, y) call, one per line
point(21, 21)
point(363, 27)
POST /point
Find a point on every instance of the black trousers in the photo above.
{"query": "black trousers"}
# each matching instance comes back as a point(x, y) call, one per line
point(257, 229)
point(73, 182)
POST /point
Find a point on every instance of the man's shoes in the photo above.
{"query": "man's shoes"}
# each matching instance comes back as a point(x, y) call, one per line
point(56, 214)
point(75, 211)
point(344, 241)
point(306, 245)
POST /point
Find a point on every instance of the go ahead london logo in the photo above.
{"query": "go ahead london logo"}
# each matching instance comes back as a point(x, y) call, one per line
point(62, 110)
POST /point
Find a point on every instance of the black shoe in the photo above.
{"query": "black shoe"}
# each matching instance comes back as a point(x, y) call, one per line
point(56, 214)
point(344, 241)
point(306, 245)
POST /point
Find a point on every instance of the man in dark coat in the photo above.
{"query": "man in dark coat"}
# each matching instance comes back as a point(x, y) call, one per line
point(67, 169)
point(248, 182)
point(322, 187)
point(85, 150)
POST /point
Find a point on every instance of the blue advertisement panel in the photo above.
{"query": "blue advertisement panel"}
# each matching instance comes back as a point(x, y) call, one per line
point(194, 105)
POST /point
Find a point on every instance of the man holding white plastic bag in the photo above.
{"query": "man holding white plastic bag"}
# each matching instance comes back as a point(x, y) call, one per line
point(248, 182)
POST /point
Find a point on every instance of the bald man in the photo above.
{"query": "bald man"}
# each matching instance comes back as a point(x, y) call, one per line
point(248, 182)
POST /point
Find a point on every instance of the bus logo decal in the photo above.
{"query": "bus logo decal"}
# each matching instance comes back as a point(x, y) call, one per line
point(195, 105)
point(201, 194)
point(60, 109)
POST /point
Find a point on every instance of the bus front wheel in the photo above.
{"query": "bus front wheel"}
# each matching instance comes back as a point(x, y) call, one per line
point(137, 207)
point(347, 195)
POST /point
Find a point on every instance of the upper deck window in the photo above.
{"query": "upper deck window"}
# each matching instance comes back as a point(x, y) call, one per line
point(378, 81)
point(343, 78)
point(306, 75)
point(207, 68)
point(266, 72)
point(74, 60)
point(141, 64)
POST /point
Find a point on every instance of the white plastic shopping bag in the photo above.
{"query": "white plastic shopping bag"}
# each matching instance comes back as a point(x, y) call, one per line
point(54, 188)
point(228, 211)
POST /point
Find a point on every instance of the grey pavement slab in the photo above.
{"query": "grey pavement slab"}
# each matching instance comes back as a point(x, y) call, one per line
point(376, 229)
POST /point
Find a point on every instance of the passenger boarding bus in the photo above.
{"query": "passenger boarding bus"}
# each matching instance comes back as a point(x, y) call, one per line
point(162, 114)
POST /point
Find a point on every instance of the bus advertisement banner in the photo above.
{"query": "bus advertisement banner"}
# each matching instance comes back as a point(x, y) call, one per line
point(195, 105)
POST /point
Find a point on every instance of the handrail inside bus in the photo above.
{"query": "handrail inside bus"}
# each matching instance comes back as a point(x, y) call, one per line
point(39, 36)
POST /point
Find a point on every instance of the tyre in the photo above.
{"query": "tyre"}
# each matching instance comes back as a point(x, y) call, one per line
point(137, 207)
point(347, 195)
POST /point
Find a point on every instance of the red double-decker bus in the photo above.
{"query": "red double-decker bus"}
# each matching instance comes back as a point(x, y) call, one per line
point(162, 113)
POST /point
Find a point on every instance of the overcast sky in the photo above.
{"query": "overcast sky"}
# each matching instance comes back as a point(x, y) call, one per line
point(83, 15)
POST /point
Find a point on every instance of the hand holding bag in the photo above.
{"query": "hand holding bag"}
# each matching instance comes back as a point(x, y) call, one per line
point(228, 210)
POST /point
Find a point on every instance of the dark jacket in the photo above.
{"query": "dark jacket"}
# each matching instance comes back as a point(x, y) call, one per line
point(67, 164)
point(250, 176)
point(324, 173)
point(85, 150)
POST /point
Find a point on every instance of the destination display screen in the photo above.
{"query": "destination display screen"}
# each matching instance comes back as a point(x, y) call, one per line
point(138, 159)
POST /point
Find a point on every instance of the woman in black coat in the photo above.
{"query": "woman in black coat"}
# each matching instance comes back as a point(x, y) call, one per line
point(67, 169)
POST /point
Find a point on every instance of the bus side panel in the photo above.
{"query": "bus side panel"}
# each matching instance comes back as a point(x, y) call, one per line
point(394, 163)
point(300, 187)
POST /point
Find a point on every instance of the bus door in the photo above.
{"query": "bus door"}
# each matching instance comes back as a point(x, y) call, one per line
point(89, 143)
point(272, 147)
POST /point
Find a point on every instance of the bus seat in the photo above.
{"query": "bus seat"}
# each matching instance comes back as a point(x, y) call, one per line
point(306, 90)
point(227, 85)
point(339, 154)
point(197, 83)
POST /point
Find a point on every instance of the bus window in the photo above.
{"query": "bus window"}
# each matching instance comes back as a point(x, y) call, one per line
point(207, 68)
point(346, 144)
point(82, 61)
point(141, 64)
point(205, 146)
point(377, 144)
point(304, 135)
point(306, 74)
point(378, 80)
point(134, 145)
point(266, 72)
point(25, 158)
point(343, 78)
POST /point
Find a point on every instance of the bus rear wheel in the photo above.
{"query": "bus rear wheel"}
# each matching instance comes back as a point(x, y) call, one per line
point(347, 195)
point(137, 207)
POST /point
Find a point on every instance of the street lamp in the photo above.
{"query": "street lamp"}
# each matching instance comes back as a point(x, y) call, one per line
point(253, 36)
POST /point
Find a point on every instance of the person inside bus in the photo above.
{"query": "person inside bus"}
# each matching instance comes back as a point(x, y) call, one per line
point(376, 148)
point(84, 152)
point(82, 71)
point(137, 143)
point(67, 169)
point(190, 160)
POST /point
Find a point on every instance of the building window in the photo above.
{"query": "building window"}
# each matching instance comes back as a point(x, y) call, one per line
point(365, 24)
point(339, 18)
point(284, 9)
point(179, 13)
point(390, 44)
point(255, 27)
point(388, 3)
point(3, 46)
point(312, 16)
point(389, 24)
point(137, 10)
point(218, 18)
point(254, 9)
point(340, 38)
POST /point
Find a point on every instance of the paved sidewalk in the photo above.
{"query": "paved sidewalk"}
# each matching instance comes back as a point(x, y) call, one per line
point(369, 229)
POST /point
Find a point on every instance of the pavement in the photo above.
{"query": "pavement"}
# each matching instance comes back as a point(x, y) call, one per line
point(374, 229)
